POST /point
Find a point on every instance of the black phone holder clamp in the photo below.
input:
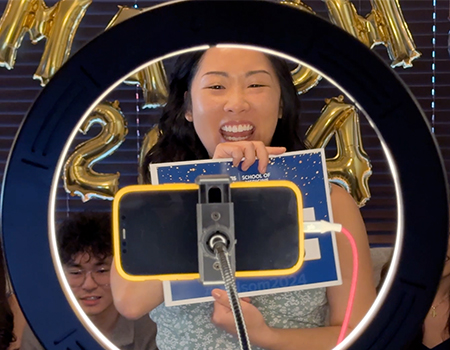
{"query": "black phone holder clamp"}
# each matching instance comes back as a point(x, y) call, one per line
point(215, 226)
point(216, 243)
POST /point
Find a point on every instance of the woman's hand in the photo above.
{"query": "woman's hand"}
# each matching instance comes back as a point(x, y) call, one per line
point(223, 317)
point(250, 150)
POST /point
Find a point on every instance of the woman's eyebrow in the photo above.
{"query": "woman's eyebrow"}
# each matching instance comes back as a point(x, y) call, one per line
point(216, 73)
point(252, 72)
point(249, 73)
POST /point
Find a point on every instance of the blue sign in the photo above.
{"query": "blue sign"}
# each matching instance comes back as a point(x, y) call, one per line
point(307, 169)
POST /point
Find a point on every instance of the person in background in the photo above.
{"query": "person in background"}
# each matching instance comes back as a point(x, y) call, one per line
point(85, 248)
point(434, 334)
point(7, 337)
point(19, 321)
point(437, 322)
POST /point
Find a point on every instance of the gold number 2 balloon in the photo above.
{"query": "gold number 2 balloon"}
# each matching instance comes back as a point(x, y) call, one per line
point(351, 166)
point(79, 177)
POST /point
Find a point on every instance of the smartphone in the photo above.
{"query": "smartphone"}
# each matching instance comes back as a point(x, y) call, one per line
point(155, 230)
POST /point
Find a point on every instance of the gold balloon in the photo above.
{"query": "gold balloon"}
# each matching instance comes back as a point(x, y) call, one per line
point(303, 77)
point(154, 85)
point(384, 25)
point(152, 79)
point(150, 140)
point(58, 24)
point(351, 166)
point(79, 177)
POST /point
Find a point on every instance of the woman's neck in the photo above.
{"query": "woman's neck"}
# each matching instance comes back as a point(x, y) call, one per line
point(443, 289)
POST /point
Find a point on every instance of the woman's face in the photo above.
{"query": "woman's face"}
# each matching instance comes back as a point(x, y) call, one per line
point(235, 96)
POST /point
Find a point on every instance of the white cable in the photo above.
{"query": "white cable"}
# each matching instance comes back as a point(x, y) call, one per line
point(321, 226)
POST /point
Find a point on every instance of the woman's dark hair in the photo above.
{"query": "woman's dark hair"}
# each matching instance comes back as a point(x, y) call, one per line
point(7, 318)
point(178, 140)
point(85, 232)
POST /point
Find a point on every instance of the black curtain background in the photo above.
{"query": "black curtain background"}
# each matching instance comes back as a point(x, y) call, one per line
point(428, 79)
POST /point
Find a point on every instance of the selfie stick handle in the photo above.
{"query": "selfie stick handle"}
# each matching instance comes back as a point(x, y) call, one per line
point(220, 249)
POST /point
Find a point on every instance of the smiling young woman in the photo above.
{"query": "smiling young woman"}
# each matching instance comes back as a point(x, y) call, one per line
point(240, 103)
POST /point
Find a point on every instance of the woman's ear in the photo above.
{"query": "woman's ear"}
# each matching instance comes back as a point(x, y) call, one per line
point(188, 116)
point(187, 104)
point(280, 112)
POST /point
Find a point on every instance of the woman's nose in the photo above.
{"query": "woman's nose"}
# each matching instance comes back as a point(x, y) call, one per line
point(236, 101)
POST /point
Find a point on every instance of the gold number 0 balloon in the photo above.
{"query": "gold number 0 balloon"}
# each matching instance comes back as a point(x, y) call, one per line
point(303, 77)
point(152, 79)
point(79, 177)
point(350, 167)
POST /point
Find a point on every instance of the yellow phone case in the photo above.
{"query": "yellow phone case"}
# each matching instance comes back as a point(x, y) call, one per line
point(183, 187)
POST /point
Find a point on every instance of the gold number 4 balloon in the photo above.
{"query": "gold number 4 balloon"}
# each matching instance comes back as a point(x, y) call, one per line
point(350, 167)
point(79, 177)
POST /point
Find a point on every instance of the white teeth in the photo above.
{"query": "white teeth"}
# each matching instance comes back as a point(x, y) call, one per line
point(92, 298)
point(237, 128)
point(231, 138)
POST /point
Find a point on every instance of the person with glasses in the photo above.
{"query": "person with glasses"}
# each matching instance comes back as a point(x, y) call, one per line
point(85, 248)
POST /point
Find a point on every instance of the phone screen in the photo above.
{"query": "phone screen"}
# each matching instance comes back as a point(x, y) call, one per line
point(158, 230)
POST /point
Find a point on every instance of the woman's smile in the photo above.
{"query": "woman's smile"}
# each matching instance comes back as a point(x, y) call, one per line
point(237, 131)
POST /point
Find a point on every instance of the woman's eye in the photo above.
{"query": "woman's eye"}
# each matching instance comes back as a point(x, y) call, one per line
point(215, 87)
point(256, 85)
point(75, 273)
point(101, 271)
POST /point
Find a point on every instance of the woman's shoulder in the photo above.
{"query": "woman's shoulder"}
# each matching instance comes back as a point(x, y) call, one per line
point(339, 196)
point(346, 212)
point(338, 191)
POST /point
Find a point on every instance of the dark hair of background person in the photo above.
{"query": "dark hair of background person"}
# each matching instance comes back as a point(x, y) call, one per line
point(85, 232)
point(6, 314)
point(178, 140)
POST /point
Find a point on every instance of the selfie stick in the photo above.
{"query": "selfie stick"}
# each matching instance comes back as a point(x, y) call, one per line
point(216, 242)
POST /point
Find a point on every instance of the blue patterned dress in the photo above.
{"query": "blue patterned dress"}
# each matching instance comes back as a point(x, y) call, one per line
point(189, 327)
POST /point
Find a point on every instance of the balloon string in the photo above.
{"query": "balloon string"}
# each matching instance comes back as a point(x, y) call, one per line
point(67, 205)
point(433, 71)
point(138, 131)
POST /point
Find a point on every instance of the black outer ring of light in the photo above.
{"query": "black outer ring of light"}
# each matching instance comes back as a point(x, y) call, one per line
point(152, 34)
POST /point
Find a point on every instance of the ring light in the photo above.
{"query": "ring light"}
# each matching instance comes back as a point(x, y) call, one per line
point(415, 159)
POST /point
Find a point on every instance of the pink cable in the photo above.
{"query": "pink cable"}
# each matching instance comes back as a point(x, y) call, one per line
point(351, 297)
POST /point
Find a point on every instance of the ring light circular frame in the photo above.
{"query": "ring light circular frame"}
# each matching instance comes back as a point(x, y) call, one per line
point(411, 150)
